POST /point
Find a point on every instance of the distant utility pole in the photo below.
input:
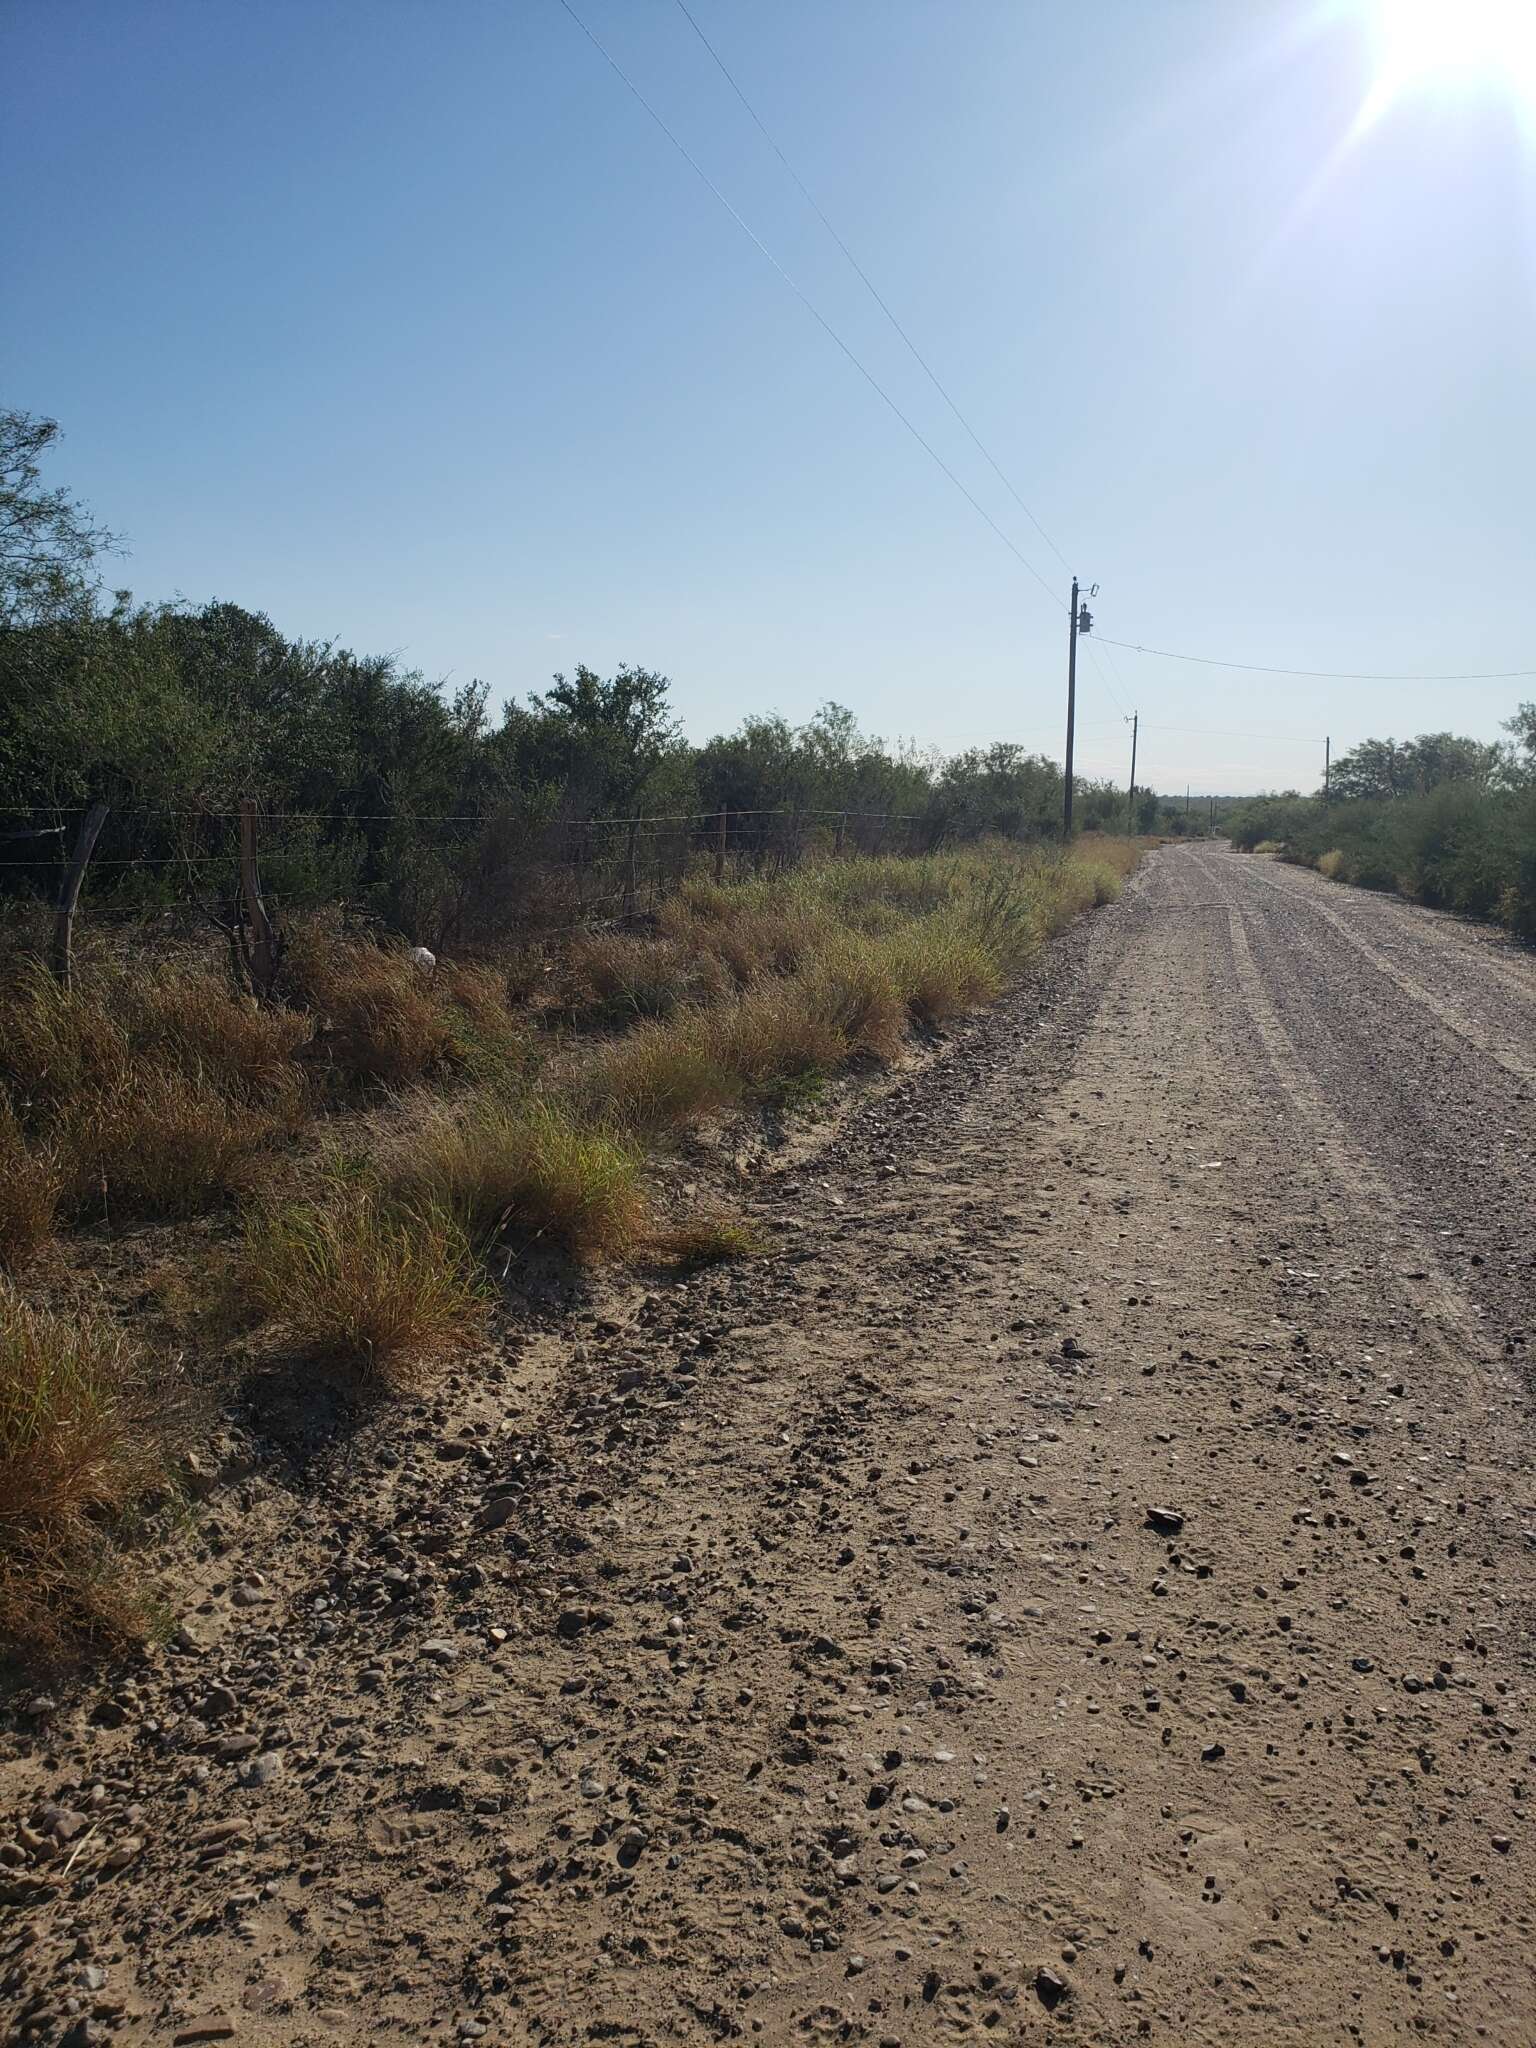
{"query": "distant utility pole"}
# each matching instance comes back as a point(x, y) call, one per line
point(1081, 622)
point(1186, 802)
point(1130, 802)
point(1327, 765)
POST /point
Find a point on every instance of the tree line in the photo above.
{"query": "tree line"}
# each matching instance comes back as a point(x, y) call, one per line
point(1442, 819)
point(381, 788)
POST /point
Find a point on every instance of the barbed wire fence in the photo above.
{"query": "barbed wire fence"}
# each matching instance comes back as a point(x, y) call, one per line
point(469, 881)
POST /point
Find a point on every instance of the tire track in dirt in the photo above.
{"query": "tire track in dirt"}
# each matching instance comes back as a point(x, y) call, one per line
point(1451, 1015)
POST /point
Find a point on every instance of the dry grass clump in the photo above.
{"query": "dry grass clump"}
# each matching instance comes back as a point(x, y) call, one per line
point(492, 1044)
point(31, 1185)
point(157, 1142)
point(618, 977)
point(537, 1167)
point(750, 929)
point(857, 983)
point(780, 1032)
point(658, 1075)
point(379, 1019)
point(55, 1047)
point(374, 1285)
point(1331, 864)
point(73, 1448)
point(945, 968)
point(192, 1020)
point(708, 1237)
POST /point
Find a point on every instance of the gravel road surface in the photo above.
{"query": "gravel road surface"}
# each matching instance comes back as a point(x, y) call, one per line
point(1078, 1585)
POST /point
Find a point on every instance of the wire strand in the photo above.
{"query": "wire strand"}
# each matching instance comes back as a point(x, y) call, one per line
point(1334, 675)
point(810, 306)
point(864, 278)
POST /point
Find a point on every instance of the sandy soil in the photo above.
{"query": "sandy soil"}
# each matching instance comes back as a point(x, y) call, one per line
point(1078, 1585)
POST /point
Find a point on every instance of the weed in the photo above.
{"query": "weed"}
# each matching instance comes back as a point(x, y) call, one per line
point(1331, 864)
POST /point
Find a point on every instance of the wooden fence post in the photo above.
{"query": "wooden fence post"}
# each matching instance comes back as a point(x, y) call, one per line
point(720, 831)
point(263, 951)
point(61, 959)
point(629, 871)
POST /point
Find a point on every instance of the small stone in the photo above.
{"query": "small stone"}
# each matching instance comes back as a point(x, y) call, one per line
point(204, 2030)
point(1212, 1753)
point(121, 1854)
point(1050, 1989)
point(438, 1650)
point(233, 1746)
point(1166, 1521)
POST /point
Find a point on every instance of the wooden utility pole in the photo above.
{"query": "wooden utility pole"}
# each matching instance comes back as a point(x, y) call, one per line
point(263, 951)
point(1327, 765)
point(61, 958)
point(1066, 789)
point(720, 846)
point(1130, 802)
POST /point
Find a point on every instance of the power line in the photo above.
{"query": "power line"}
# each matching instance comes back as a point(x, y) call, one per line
point(916, 353)
point(1098, 668)
point(1290, 739)
point(819, 317)
point(1334, 675)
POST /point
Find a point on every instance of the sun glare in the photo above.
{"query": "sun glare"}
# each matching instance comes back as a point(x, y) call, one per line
point(1428, 45)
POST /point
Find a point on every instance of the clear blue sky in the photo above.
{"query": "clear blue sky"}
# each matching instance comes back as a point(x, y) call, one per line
point(404, 324)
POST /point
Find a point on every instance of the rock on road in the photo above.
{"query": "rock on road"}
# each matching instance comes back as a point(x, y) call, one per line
point(1078, 1585)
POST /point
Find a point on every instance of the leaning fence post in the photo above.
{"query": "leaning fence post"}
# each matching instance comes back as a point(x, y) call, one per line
point(720, 828)
point(263, 952)
point(61, 959)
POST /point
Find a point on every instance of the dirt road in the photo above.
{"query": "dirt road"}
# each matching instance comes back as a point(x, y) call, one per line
point(791, 1653)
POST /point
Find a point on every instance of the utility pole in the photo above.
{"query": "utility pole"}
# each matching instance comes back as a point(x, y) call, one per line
point(1081, 622)
point(1327, 765)
point(1130, 802)
point(1066, 780)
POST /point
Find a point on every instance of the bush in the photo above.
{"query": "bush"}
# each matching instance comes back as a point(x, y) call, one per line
point(1462, 846)
point(377, 1286)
